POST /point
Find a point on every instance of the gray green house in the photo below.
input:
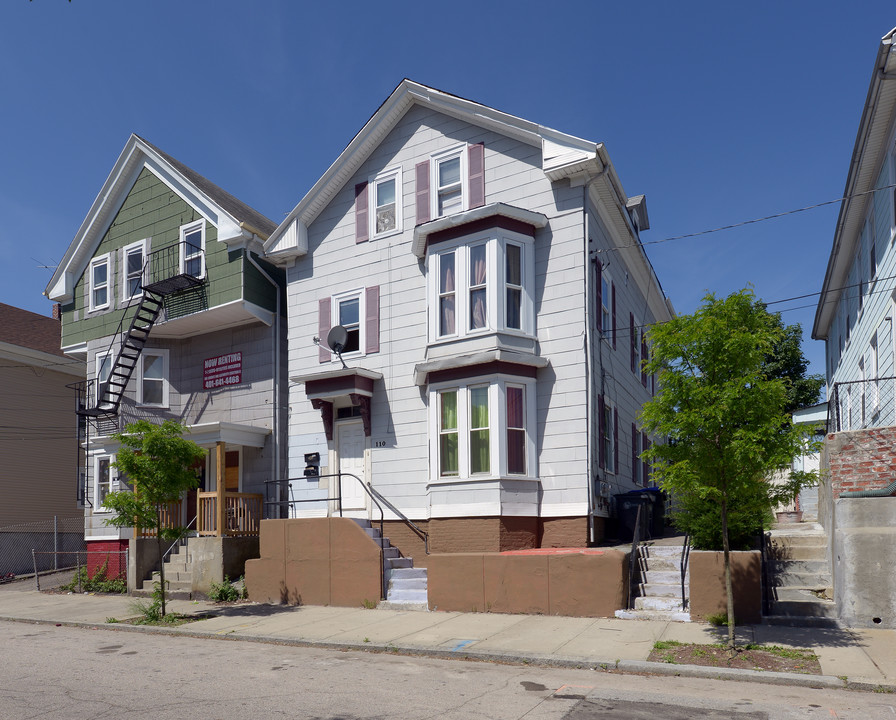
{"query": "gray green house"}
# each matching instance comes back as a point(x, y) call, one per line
point(166, 299)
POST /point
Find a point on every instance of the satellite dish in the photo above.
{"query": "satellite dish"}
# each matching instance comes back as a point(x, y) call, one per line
point(336, 341)
point(336, 338)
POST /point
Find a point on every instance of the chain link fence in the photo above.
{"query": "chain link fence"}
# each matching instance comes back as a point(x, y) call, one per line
point(46, 546)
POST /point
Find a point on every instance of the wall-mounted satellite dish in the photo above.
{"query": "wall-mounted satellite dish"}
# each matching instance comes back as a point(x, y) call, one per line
point(336, 339)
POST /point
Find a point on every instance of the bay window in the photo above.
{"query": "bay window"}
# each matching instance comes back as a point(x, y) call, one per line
point(480, 286)
point(483, 428)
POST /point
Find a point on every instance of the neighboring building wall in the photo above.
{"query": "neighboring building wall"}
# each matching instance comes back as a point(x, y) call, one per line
point(38, 474)
point(861, 460)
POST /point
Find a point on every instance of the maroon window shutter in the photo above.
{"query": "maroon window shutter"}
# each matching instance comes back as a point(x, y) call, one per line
point(613, 286)
point(598, 270)
point(631, 331)
point(323, 327)
point(635, 437)
point(362, 224)
point(616, 440)
point(600, 432)
point(422, 192)
point(476, 177)
point(372, 320)
point(645, 467)
point(643, 358)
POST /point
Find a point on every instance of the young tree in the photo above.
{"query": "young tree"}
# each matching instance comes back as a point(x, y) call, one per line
point(724, 419)
point(159, 463)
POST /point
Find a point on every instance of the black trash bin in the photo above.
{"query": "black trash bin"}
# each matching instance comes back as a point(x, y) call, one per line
point(627, 505)
point(658, 503)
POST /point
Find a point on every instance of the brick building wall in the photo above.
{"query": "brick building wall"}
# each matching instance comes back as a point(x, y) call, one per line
point(860, 459)
point(111, 551)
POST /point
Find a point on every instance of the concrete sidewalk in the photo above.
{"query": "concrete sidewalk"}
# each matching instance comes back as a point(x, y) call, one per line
point(863, 659)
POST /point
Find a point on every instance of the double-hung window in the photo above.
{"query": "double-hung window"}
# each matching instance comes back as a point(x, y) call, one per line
point(608, 437)
point(449, 181)
point(192, 249)
point(104, 473)
point(480, 286)
point(153, 386)
point(100, 290)
point(134, 258)
point(103, 371)
point(385, 200)
point(349, 312)
point(606, 317)
point(483, 429)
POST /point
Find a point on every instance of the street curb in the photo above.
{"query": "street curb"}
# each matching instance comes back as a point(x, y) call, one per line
point(634, 667)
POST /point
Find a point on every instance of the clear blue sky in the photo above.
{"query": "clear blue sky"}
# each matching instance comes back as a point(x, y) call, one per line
point(719, 112)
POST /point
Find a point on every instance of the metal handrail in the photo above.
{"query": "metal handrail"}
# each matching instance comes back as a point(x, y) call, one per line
point(632, 557)
point(422, 534)
point(180, 537)
point(685, 558)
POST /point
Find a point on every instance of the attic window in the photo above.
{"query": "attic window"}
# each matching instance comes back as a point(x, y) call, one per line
point(99, 282)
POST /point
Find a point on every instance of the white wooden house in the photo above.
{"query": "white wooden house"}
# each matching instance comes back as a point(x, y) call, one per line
point(489, 276)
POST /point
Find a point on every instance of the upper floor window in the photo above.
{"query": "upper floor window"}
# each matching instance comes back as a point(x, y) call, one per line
point(358, 311)
point(449, 171)
point(609, 434)
point(481, 286)
point(103, 476)
point(134, 258)
point(152, 388)
point(386, 209)
point(449, 182)
point(103, 370)
point(99, 290)
point(192, 249)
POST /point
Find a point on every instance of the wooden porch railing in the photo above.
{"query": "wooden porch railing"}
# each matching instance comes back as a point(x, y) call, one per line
point(171, 518)
point(242, 514)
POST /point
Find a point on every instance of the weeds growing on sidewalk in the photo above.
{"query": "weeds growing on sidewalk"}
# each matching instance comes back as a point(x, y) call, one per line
point(98, 583)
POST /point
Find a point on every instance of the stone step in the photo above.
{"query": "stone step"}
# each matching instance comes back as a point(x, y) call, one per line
point(658, 603)
point(179, 576)
point(395, 562)
point(391, 552)
point(664, 615)
point(804, 539)
point(660, 590)
point(800, 579)
point(802, 594)
point(798, 552)
point(809, 608)
point(409, 572)
point(413, 595)
point(801, 621)
point(816, 567)
point(399, 605)
point(661, 564)
point(664, 577)
point(665, 551)
point(402, 584)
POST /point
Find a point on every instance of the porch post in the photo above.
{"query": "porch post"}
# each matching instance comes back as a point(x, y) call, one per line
point(219, 488)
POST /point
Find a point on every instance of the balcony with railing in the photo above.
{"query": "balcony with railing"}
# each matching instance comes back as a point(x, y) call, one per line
point(860, 404)
point(235, 515)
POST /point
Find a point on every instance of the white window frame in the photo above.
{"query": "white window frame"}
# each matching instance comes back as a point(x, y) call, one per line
point(153, 352)
point(361, 295)
point(497, 404)
point(98, 360)
point(459, 152)
point(143, 247)
point(496, 285)
point(106, 260)
point(188, 229)
point(393, 174)
point(110, 483)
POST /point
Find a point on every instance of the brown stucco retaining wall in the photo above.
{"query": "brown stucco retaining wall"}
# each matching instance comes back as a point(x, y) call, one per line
point(707, 585)
point(314, 561)
point(574, 584)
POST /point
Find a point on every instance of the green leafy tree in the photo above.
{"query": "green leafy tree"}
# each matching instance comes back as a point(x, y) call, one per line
point(786, 362)
point(159, 464)
point(724, 417)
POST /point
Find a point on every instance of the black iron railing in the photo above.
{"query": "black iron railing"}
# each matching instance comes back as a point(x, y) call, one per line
point(858, 404)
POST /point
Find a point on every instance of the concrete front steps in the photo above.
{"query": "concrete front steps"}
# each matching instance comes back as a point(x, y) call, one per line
point(798, 576)
point(406, 587)
point(178, 576)
point(659, 589)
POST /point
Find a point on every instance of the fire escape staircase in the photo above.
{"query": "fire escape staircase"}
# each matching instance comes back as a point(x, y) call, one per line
point(160, 266)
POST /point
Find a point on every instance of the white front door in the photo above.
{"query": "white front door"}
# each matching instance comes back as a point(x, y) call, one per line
point(350, 442)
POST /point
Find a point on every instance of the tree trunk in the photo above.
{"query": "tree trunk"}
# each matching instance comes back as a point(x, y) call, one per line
point(729, 592)
point(161, 559)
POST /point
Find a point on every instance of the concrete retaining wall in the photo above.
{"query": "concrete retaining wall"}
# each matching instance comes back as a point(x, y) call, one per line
point(864, 555)
point(707, 585)
point(580, 585)
point(315, 561)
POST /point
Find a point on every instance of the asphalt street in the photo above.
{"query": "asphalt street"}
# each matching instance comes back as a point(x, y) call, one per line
point(57, 672)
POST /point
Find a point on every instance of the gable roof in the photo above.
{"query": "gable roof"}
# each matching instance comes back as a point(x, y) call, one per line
point(562, 155)
point(30, 330)
point(878, 118)
point(238, 224)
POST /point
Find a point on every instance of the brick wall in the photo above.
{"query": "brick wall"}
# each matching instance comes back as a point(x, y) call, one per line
point(861, 459)
point(111, 551)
